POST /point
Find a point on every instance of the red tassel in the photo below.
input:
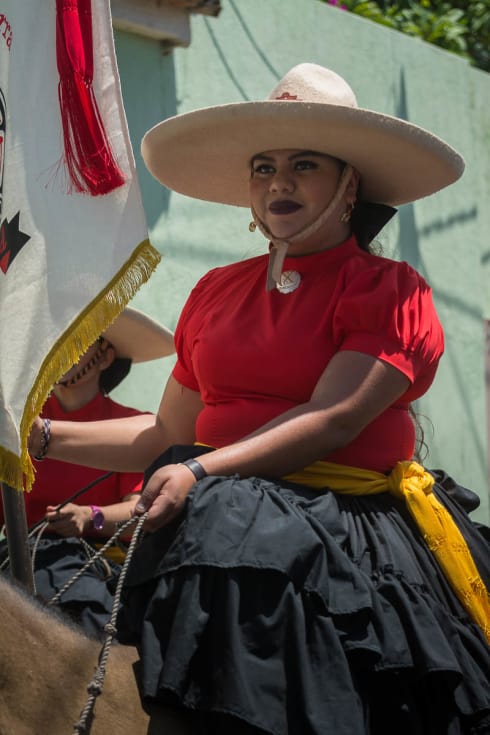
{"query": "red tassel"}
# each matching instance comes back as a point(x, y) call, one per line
point(88, 155)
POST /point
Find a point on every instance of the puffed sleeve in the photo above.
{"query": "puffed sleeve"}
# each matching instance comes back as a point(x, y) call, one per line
point(387, 311)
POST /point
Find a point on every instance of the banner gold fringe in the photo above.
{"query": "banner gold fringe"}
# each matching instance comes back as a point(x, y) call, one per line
point(10, 470)
point(18, 472)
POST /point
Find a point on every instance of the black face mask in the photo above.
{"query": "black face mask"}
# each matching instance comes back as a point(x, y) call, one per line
point(114, 374)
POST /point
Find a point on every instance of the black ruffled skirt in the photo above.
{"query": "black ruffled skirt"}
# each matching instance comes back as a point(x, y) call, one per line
point(301, 612)
point(89, 600)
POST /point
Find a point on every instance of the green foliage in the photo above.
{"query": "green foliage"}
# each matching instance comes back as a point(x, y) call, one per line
point(460, 26)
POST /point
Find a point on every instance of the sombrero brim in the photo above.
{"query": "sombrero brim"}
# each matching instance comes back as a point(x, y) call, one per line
point(206, 153)
point(138, 337)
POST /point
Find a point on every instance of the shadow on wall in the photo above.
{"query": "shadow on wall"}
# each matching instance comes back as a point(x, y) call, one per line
point(408, 247)
point(149, 94)
point(409, 237)
point(487, 383)
point(257, 49)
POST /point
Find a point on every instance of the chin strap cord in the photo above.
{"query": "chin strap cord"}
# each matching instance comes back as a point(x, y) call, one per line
point(279, 247)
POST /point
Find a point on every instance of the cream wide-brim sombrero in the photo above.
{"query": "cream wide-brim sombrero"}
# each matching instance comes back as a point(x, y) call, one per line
point(138, 337)
point(206, 154)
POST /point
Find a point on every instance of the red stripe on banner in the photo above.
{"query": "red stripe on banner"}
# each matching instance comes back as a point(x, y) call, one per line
point(88, 155)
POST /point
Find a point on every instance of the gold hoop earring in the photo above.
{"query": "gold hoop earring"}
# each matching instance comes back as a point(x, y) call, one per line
point(252, 226)
point(348, 213)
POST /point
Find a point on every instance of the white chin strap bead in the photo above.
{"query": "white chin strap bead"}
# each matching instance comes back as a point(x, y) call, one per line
point(277, 255)
point(279, 248)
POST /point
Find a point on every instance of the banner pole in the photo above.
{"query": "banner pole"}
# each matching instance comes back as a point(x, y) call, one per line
point(16, 528)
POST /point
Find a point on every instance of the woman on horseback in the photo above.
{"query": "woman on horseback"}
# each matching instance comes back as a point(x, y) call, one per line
point(302, 572)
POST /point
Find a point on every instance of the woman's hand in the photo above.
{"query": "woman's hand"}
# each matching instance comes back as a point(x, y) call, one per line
point(71, 520)
point(164, 495)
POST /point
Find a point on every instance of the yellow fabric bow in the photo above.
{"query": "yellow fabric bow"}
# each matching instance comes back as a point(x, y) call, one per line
point(409, 481)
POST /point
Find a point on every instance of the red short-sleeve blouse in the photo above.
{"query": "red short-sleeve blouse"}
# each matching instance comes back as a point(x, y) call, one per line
point(254, 354)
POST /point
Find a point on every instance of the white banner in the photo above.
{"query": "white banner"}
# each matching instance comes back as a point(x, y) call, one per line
point(69, 261)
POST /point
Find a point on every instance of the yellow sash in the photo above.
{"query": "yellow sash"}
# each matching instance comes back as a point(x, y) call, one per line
point(409, 480)
point(114, 553)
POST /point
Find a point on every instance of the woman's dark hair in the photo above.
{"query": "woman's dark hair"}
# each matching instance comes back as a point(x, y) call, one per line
point(367, 220)
point(114, 374)
point(421, 446)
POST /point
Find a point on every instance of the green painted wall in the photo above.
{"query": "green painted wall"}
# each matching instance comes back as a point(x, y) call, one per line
point(240, 56)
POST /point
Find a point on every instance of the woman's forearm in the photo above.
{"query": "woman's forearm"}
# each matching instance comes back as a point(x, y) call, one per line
point(114, 515)
point(122, 445)
point(281, 447)
point(126, 444)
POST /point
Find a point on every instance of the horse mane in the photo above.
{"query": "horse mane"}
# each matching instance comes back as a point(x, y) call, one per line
point(17, 601)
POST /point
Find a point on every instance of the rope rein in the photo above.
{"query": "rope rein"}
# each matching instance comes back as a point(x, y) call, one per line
point(94, 556)
point(94, 689)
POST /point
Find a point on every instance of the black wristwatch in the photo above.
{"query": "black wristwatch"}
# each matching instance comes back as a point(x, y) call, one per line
point(98, 518)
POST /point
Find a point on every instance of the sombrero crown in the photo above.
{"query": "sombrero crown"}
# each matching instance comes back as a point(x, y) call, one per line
point(206, 153)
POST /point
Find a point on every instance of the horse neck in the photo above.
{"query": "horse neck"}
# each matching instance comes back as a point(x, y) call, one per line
point(29, 628)
point(45, 667)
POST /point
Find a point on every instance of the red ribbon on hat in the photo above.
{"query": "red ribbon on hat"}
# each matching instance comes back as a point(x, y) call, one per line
point(88, 156)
